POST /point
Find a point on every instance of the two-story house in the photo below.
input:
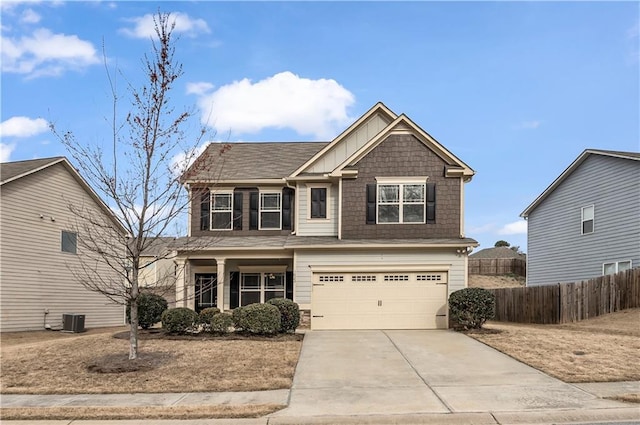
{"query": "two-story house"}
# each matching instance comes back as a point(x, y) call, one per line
point(363, 232)
point(587, 222)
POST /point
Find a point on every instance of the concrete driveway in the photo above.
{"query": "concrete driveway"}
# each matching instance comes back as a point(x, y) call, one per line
point(406, 372)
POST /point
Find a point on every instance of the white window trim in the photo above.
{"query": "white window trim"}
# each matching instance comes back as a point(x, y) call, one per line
point(211, 210)
point(260, 210)
point(617, 264)
point(328, 203)
point(582, 220)
point(406, 182)
point(263, 287)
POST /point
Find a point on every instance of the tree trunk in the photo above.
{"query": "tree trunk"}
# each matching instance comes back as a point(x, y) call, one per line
point(133, 333)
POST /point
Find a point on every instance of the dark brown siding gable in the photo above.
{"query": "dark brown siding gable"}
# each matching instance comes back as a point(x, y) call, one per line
point(398, 156)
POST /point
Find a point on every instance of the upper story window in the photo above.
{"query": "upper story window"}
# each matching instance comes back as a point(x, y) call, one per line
point(588, 215)
point(615, 267)
point(69, 242)
point(401, 203)
point(221, 211)
point(270, 210)
point(318, 202)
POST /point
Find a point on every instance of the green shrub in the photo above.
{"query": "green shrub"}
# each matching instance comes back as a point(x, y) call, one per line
point(472, 307)
point(237, 315)
point(221, 323)
point(150, 309)
point(205, 317)
point(179, 320)
point(259, 319)
point(289, 313)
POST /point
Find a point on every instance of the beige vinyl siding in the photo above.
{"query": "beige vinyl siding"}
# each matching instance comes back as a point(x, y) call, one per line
point(347, 147)
point(305, 259)
point(317, 227)
point(159, 276)
point(33, 269)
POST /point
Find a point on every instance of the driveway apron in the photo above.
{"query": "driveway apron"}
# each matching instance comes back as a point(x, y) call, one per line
point(404, 372)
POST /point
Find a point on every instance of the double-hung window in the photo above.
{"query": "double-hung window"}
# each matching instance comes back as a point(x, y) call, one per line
point(221, 211)
point(270, 210)
point(261, 287)
point(588, 215)
point(401, 203)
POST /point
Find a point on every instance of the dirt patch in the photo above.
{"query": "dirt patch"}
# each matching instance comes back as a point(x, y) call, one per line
point(603, 349)
point(120, 363)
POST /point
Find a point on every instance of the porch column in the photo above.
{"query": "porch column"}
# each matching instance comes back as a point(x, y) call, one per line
point(190, 298)
point(180, 281)
point(220, 262)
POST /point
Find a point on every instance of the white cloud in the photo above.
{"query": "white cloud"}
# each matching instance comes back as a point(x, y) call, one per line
point(200, 88)
point(144, 26)
point(5, 151)
point(285, 100)
point(515, 228)
point(183, 160)
point(29, 16)
point(45, 53)
point(23, 127)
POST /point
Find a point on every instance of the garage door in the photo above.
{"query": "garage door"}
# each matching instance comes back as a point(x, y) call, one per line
point(379, 300)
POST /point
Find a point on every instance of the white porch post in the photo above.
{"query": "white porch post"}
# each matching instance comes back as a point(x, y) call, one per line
point(181, 270)
point(190, 299)
point(221, 273)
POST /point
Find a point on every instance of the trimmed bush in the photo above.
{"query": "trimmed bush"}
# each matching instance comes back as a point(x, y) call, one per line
point(179, 320)
point(472, 307)
point(261, 319)
point(289, 313)
point(221, 323)
point(150, 309)
point(237, 316)
point(205, 317)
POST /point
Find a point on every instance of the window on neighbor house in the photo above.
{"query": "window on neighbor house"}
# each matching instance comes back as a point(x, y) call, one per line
point(69, 242)
point(270, 212)
point(318, 204)
point(221, 211)
point(401, 203)
point(615, 267)
point(588, 214)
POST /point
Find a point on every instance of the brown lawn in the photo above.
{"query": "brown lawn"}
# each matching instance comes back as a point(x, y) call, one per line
point(60, 363)
point(603, 349)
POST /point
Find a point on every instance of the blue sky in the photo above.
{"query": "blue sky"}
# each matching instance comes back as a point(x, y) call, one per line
point(517, 90)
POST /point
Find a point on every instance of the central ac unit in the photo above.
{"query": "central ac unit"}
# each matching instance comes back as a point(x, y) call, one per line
point(72, 322)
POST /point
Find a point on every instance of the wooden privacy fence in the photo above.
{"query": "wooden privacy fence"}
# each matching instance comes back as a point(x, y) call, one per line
point(569, 302)
point(497, 266)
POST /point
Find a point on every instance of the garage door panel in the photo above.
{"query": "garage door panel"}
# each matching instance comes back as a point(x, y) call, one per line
point(380, 301)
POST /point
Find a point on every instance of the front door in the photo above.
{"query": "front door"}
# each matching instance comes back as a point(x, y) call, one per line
point(206, 291)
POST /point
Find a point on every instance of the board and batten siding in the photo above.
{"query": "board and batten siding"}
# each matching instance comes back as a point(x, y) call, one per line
point(33, 269)
point(304, 259)
point(347, 147)
point(557, 252)
point(316, 227)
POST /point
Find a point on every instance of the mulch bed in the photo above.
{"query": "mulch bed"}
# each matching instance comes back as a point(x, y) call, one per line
point(154, 334)
point(120, 363)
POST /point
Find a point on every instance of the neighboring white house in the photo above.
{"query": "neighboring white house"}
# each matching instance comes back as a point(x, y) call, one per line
point(38, 243)
point(587, 222)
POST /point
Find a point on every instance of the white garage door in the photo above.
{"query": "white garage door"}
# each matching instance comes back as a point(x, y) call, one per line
point(379, 300)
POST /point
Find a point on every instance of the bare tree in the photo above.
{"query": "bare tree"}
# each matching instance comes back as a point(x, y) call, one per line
point(139, 180)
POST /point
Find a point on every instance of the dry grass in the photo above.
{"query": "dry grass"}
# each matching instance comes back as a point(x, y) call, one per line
point(9, 339)
point(113, 413)
point(603, 349)
point(61, 365)
point(629, 398)
point(495, 282)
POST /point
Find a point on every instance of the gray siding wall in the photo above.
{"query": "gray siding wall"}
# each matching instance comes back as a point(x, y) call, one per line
point(303, 259)
point(316, 227)
point(33, 269)
point(556, 249)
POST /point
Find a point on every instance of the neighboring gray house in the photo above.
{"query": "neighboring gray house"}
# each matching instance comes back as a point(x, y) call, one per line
point(587, 222)
point(363, 232)
point(38, 240)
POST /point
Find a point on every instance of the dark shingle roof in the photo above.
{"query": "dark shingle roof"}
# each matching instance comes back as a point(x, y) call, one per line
point(248, 161)
point(497, 252)
point(11, 170)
